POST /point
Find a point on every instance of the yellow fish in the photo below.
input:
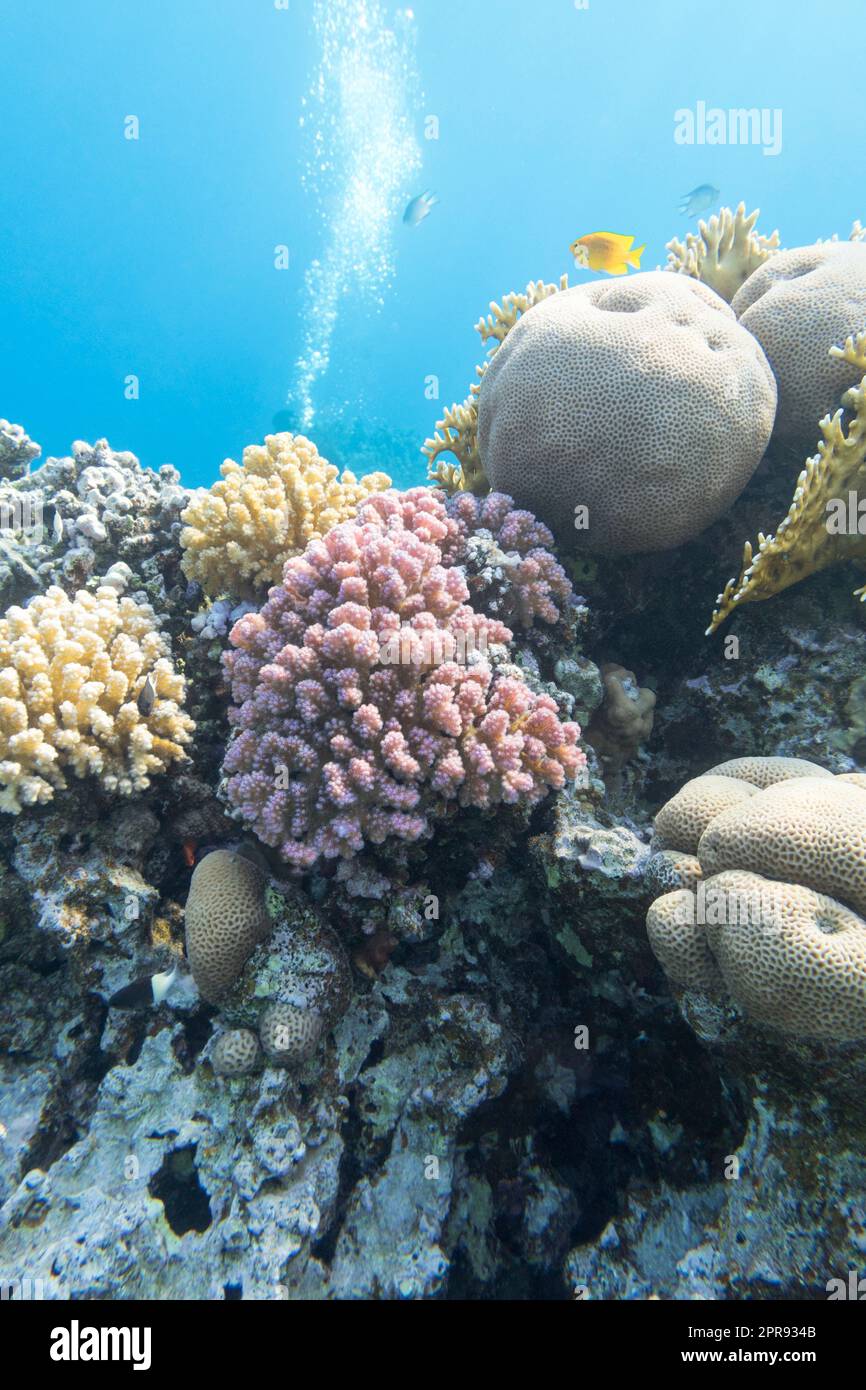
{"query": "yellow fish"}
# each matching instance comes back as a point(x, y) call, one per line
point(606, 251)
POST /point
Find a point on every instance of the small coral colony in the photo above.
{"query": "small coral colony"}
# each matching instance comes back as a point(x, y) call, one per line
point(375, 663)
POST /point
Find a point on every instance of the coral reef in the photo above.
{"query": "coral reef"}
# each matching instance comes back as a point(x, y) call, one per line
point(724, 252)
point(797, 305)
point(819, 529)
point(238, 534)
point(627, 416)
point(460, 1021)
point(86, 685)
point(353, 712)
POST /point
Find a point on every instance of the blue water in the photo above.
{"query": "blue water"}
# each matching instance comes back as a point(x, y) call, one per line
point(155, 257)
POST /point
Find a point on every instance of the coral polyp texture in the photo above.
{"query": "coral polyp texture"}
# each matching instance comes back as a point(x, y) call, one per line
point(236, 1052)
point(797, 305)
point(642, 402)
point(87, 687)
point(226, 918)
point(363, 697)
point(239, 533)
point(724, 252)
point(776, 919)
point(822, 526)
point(288, 1034)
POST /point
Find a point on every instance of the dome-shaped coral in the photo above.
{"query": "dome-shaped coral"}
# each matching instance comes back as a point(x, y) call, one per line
point(792, 958)
point(643, 401)
point(797, 305)
point(771, 911)
point(226, 918)
point(236, 1052)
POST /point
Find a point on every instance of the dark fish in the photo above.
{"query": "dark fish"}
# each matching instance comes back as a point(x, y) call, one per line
point(144, 993)
point(147, 697)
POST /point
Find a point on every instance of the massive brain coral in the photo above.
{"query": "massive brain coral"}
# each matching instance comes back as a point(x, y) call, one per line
point(777, 918)
point(363, 701)
point(644, 401)
point(239, 533)
point(86, 684)
point(798, 305)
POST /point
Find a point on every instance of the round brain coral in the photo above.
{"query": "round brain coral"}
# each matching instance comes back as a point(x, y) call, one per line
point(807, 830)
point(289, 1035)
point(236, 1052)
point(794, 959)
point(86, 685)
point(682, 821)
point(764, 772)
point(798, 305)
point(772, 909)
point(644, 401)
point(239, 533)
point(226, 918)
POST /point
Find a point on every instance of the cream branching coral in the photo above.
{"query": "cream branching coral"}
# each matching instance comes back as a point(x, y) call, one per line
point(457, 432)
point(239, 533)
point(817, 531)
point(724, 251)
point(86, 686)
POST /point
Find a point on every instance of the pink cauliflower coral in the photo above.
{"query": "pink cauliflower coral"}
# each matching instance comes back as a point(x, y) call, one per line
point(356, 713)
point(537, 585)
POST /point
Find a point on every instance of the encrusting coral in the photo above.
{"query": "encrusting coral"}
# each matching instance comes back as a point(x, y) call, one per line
point(363, 698)
point(239, 533)
point(774, 915)
point(724, 252)
point(457, 432)
point(819, 529)
point(86, 686)
point(628, 415)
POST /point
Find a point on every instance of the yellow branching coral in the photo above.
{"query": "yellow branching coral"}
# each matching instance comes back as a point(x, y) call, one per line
point(457, 432)
point(724, 251)
point(239, 533)
point(817, 532)
point(86, 684)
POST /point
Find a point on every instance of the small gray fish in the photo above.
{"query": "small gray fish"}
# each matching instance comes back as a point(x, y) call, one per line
point(419, 208)
point(699, 200)
point(147, 697)
point(57, 528)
